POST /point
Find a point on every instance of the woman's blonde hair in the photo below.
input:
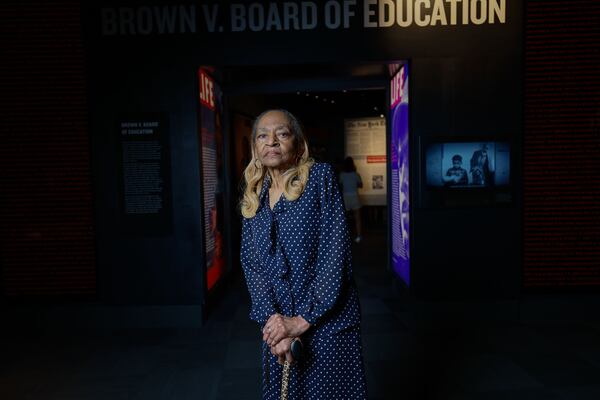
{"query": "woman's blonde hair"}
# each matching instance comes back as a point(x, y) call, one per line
point(294, 179)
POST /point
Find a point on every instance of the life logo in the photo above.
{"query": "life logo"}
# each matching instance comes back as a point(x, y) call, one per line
point(207, 90)
point(397, 87)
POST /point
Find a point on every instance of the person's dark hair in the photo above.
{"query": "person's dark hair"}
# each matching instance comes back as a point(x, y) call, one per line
point(457, 157)
point(349, 165)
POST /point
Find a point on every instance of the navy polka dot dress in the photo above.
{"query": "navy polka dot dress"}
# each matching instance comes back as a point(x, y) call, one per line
point(297, 261)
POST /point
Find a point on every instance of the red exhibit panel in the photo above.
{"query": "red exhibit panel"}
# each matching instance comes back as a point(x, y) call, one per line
point(211, 148)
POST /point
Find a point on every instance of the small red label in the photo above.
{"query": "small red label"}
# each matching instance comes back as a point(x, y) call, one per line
point(397, 88)
point(376, 159)
point(207, 90)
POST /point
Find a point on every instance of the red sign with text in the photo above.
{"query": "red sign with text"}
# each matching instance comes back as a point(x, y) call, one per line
point(207, 90)
point(397, 88)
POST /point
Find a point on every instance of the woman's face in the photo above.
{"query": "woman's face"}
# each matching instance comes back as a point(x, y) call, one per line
point(275, 142)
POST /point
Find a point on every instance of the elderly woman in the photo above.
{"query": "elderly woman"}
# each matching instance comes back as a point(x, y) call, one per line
point(295, 253)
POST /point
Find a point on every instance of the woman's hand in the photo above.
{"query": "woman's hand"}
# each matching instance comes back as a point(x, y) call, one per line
point(283, 351)
point(280, 327)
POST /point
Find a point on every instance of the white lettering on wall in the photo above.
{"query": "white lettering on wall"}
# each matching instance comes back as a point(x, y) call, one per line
point(145, 20)
point(276, 16)
point(425, 13)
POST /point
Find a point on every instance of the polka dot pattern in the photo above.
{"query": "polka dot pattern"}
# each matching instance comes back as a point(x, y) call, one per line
point(297, 260)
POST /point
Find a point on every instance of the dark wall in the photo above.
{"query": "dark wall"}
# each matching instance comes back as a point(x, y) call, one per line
point(466, 251)
point(46, 225)
point(466, 80)
point(147, 267)
point(561, 213)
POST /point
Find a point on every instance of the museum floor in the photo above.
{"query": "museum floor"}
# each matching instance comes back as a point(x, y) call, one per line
point(411, 352)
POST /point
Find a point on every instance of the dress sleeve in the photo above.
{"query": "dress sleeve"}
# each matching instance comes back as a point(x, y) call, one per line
point(261, 292)
point(333, 257)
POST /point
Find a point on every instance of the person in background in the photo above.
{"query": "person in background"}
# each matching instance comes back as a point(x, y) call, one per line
point(351, 181)
point(456, 175)
point(480, 166)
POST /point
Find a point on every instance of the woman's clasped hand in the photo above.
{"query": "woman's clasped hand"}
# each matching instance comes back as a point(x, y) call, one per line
point(278, 333)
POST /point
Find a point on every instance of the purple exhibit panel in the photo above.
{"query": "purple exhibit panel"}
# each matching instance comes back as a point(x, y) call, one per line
point(400, 211)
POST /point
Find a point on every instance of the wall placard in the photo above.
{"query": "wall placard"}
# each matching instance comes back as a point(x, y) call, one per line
point(144, 170)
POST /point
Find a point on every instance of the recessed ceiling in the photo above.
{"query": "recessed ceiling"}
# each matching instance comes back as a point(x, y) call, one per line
point(271, 72)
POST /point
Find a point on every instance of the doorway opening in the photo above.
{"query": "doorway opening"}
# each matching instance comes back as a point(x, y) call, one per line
point(345, 112)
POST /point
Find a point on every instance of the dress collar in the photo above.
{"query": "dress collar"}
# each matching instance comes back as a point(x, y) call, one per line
point(282, 203)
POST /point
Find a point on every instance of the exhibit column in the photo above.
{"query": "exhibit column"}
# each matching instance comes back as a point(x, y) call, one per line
point(399, 193)
point(212, 176)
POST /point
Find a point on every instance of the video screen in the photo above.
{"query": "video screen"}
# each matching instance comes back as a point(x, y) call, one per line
point(467, 164)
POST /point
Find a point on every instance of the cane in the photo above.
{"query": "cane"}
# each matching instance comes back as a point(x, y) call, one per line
point(297, 350)
point(285, 378)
